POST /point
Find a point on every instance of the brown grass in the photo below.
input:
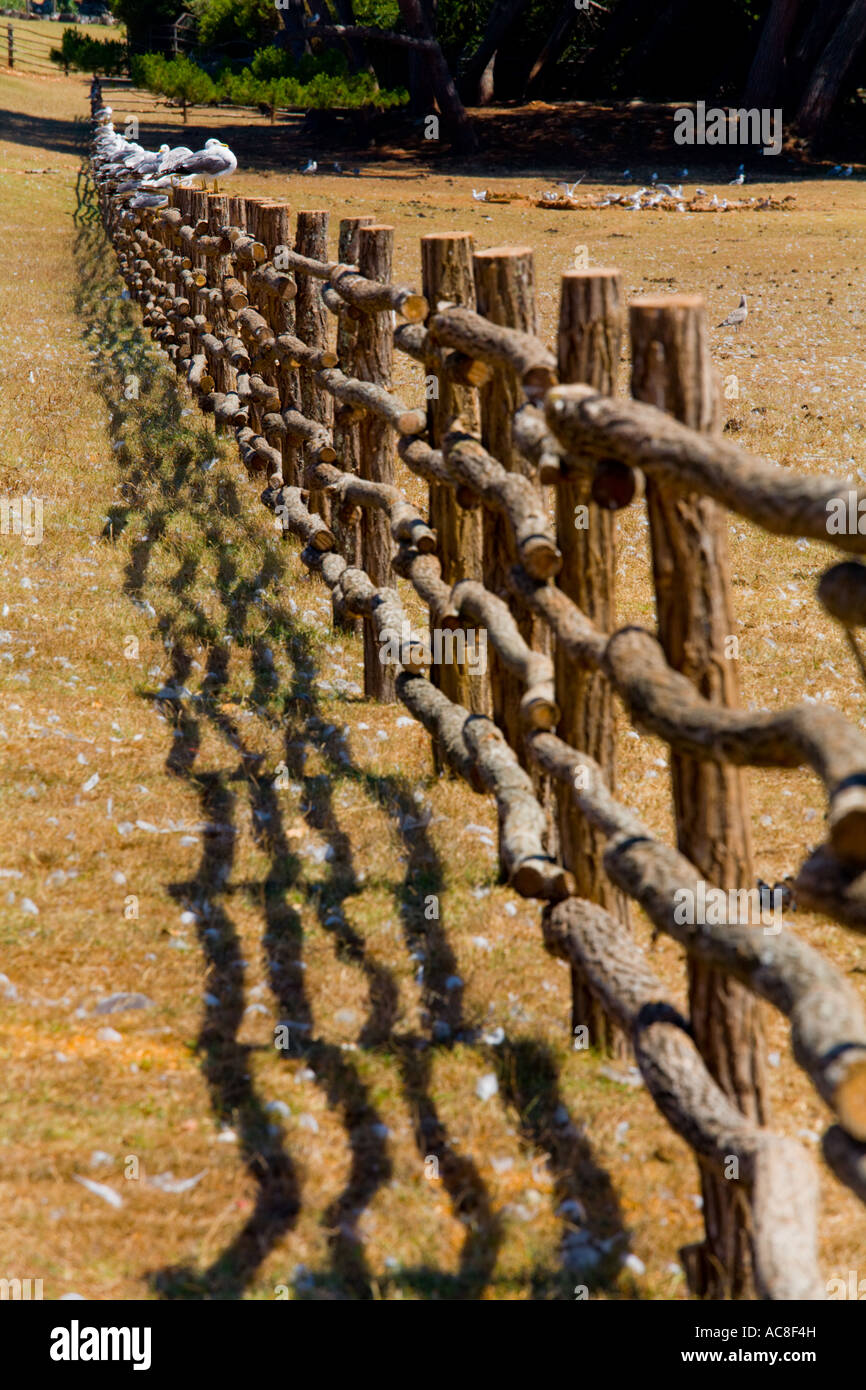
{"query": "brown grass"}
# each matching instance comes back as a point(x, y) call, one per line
point(308, 901)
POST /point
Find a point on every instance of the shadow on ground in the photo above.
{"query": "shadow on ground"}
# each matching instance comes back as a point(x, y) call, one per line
point(163, 464)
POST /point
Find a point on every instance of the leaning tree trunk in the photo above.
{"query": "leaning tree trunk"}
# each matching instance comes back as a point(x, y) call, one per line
point(450, 106)
point(764, 82)
point(293, 16)
point(552, 50)
point(832, 68)
point(476, 71)
point(810, 45)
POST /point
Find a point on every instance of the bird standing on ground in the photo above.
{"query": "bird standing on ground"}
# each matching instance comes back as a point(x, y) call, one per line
point(736, 316)
point(310, 167)
point(740, 179)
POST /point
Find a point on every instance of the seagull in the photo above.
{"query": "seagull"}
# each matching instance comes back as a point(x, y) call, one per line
point(684, 173)
point(736, 316)
point(740, 179)
point(653, 178)
point(338, 168)
point(216, 161)
point(310, 167)
point(149, 200)
point(569, 188)
point(480, 195)
point(625, 173)
point(173, 158)
point(669, 192)
point(848, 172)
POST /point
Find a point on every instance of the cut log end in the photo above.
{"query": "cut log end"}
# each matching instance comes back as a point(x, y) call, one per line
point(539, 711)
point(847, 822)
point(842, 591)
point(412, 422)
point(849, 1100)
point(323, 540)
point(542, 878)
point(414, 308)
point(537, 381)
point(615, 485)
point(540, 557)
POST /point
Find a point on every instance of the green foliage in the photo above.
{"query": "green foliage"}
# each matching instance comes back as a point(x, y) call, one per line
point(229, 21)
point(80, 51)
point(179, 79)
point(273, 80)
point(141, 15)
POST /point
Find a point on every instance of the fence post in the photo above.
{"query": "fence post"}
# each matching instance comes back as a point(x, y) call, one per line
point(672, 369)
point(311, 326)
point(346, 427)
point(273, 229)
point(373, 355)
point(591, 322)
point(225, 376)
point(446, 270)
point(10, 44)
point(505, 294)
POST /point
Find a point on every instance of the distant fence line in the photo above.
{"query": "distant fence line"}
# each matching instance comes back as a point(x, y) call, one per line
point(528, 455)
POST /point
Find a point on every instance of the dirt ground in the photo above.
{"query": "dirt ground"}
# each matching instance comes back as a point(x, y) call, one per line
point(145, 850)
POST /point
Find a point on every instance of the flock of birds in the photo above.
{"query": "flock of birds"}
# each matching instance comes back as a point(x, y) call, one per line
point(141, 174)
point(668, 197)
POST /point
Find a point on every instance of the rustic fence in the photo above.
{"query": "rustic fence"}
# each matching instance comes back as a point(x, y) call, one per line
point(528, 456)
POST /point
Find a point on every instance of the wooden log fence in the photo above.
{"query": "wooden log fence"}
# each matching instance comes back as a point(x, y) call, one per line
point(528, 455)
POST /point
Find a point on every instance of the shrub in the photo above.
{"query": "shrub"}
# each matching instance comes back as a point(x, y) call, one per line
point(108, 56)
point(179, 79)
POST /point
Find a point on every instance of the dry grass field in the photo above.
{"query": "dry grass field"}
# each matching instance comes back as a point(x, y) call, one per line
point(146, 850)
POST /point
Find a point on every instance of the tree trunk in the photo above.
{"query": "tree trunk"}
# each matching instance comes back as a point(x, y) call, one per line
point(373, 358)
point(359, 60)
point(589, 340)
point(473, 70)
point(446, 261)
point(688, 533)
point(764, 83)
point(552, 50)
point(449, 103)
point(293, 17)
point(832, 68)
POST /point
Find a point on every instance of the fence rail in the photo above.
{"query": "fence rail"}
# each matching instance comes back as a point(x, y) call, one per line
point(528, 455)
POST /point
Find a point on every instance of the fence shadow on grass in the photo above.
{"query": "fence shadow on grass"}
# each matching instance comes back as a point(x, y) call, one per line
point(161, 475)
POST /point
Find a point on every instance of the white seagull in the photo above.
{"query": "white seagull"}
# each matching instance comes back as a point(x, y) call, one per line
point(310, 167)
point(570, 187)
point(480, 195)
point(740, 179)
point(216, 161)
point(736, 316)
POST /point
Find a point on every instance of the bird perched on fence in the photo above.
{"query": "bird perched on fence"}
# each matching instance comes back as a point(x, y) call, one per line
point(216, 161)
point(736, 316)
